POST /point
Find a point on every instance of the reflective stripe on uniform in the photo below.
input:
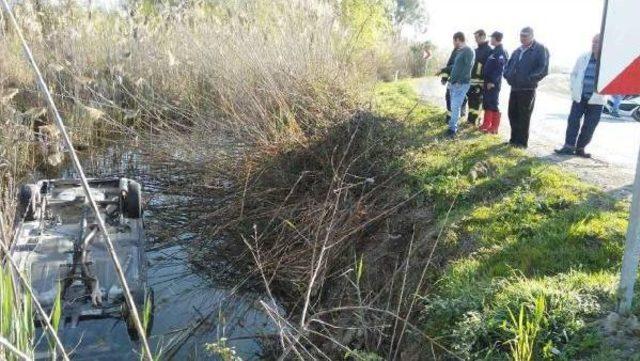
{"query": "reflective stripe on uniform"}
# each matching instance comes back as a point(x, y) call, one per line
point(474, 111)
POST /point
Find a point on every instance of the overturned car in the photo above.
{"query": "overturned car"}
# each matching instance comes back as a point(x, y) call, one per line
point(60, 248)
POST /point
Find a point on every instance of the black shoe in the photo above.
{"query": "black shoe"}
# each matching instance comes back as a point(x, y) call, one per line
point(451, 134)
point(565, 151)
point(582, 154)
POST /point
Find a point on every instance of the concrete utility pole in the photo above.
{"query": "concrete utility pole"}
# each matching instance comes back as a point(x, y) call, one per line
point(619, 74)
point(631, 250)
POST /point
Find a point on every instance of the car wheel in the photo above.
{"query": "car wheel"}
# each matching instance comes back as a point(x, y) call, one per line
point(636, 115)
point(133, 200)
point(27, 202)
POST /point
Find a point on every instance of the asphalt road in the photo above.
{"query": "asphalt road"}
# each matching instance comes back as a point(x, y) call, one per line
point(614, 147)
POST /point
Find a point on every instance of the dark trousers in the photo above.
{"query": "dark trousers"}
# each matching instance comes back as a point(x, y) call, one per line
point(475, 103)
point(521, 104)
point(448, 99)
point(490, 98)
point(591, 114)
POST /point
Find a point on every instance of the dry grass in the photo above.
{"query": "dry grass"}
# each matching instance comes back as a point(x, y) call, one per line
point(265, 106)
point(329, 231)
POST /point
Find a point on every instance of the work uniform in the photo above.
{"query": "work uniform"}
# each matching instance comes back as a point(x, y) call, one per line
point(525, 69)
point(475, 92)
point(493, 70)
point(446, 73)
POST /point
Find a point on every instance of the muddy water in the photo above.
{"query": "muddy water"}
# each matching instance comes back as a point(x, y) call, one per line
point(192, 307)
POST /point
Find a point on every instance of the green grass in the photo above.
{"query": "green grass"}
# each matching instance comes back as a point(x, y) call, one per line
point(16, 319)
point(525, 328)
point(521, 229)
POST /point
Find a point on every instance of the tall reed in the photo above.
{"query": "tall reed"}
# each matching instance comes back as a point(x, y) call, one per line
point(16, 319)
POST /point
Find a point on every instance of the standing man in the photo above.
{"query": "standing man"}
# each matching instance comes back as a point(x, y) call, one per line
point(528, 65)
point(493, 70)
point(477, 81)
point(460, 79)
point(445, 73)
point(586, 103)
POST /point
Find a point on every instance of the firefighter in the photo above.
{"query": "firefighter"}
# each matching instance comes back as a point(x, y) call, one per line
point(445, 73)
point(493, 69)
point(477, 81)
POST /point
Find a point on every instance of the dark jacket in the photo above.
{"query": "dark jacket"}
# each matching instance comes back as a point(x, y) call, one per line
point(494, 67)
point(525, 73)
point(461, 70)
point(482, 54)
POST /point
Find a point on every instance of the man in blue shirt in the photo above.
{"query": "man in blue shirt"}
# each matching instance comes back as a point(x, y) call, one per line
point(586, 103)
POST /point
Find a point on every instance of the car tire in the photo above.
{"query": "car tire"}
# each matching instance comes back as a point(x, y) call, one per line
point(133, 200)
point(636, 115)
point(27, 203)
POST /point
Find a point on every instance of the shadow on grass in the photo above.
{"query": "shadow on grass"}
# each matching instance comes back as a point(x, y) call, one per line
point(519, 226)
point(517, 220)
point(535, 219)
point(587, 236)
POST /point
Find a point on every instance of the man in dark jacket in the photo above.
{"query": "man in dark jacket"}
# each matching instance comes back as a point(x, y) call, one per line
point(477, 82)
point(493, 70)
point(528, 65)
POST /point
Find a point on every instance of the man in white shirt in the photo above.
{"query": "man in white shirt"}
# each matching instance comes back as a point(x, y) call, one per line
point(587, 103)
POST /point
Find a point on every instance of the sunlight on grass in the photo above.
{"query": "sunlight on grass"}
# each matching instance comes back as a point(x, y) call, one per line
point(521, 230)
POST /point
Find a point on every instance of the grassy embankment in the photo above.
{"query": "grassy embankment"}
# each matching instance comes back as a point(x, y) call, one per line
point(315, 174)
point(519, 230)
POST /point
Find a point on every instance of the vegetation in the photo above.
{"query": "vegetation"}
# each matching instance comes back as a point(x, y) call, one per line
point(516, 230)
point(223, 351)
point(348, 226)
point(525, 330)
point(239, 79)
point(16, 322)
point(372, 235)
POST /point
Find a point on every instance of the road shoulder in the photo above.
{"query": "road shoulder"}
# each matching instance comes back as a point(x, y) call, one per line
point(611, 178)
